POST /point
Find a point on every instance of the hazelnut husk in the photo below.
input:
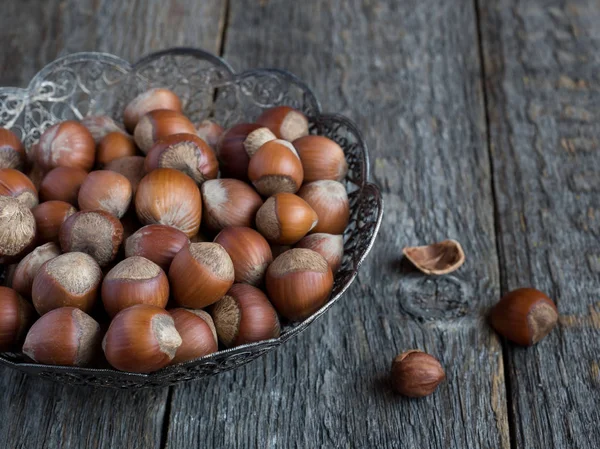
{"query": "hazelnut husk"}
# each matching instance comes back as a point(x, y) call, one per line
point(524, 316)
point(416, 374)
point(438, 258)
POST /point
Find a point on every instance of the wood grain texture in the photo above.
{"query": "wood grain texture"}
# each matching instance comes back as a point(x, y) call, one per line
point(541, 65)
point(35, 413)
point(409, 74)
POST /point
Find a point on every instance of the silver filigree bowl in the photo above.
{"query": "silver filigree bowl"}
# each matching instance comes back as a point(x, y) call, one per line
point(102, 84)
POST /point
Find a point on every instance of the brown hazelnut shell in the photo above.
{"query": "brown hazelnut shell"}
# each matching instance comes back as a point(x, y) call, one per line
point(330, 201)
point(17, 229)
point(285, 122)
point(322, 158)
point(12, 151)
point(276, 168)
point(132, 167)
point(49, 217)
point(150, 100)
point(285, 218)
point(65, 336)
point(298, 283)
point(113, 146)
point(210, 132)
point(141, 339)
point(66, 144)
point(416, 374)
point(158, 124)
point(62, 184)
point(15, 320)
point(524, 316)
point(17, 185)
point(232, 155)
point(200, 274)
point(244, 315)
point(158, 243)
point(330, 246)
point(28, 267)
point(198, 334)
point(105, 190)
point(228, 202)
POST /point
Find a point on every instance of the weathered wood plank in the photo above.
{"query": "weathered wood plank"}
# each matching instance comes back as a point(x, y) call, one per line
point(541, 65)
point(35, 413)
point(409, 74)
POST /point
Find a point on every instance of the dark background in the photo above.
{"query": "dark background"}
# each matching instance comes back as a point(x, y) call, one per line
point(482, 121)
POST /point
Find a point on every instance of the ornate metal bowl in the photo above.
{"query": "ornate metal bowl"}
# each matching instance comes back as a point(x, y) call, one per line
point(96, 83)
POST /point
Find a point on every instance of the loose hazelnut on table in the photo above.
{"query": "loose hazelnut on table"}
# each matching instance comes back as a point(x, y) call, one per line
point(235, 145)
point(100, 126)
point(15, 320)
point(62, 184)
point(322, 158)
point(113, 146)
point(17, 185)
point(285, 218)
point(49, 217)
point(524, 316)
point(210, 132)
point(158, 124)
point(105, 190)
point(330, 246)
point(200, 274)
point(65, 336)
point(438, 258)
point(17, 229)
point(169, 197)
point(68, 280)
point(244, 315)
point(228, 202)
point(249, 252)
point(198, 334)
point(141, 339)
point(12, 151)
point(94, 232)
point(158, 243)
point(184, 152)
point(66, 144)
point(135, 280)
point(150, 100)
point(276, 168)
point(29, 266)
point(298, 283)
point(416, 374)
point(285, 122)
point(132, 167)
point(330, 201)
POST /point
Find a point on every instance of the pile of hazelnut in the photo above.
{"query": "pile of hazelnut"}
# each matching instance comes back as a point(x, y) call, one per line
point(129, 249)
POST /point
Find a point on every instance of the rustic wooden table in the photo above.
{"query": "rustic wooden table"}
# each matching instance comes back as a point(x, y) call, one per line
point(482, 120)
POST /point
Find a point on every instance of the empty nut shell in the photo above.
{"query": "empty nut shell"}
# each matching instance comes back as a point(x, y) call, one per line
point(437, 258)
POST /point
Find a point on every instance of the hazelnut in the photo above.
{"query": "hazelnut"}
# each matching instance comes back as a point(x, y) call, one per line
point(65, 336)
point(198, 334)
point(322, 158)
point(35, 175)
point(184, 152)
point(330, 201)
point(135, 280)
point(68, 280)
point(169, 197)
point(158, 124)
point(16, 318)
point(100, 126)
point(17, 229)
point(256, 139)
point(299, 282)
point(231, 149)
point(249, 252)
point(152, 99)
point(113, 146)
point(12, 151)
point(49, 217)
point(524, 316)
point(278, 250)
point(209, 131)
point(62, 184)
point(285, 218)
point(276, 168)
point(285, 122)
point(26, 270)
point(66, 144)
point(228, 202)
point(105, 190)
point(96, 233)
point(132, 167)
point(158, 243)
point(17, 185)
point(437, 258)
point(416, 374)
point(200, 274)
point(244, 315)
point(141, 339)
point(330, 246)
